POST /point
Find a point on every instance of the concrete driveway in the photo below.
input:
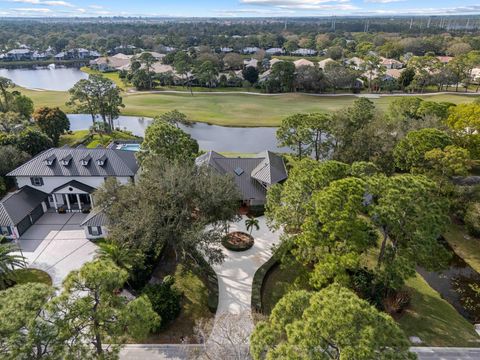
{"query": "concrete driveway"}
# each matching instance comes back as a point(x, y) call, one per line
point(57, 244)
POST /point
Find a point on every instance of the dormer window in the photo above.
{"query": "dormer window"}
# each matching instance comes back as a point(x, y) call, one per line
point(66, 160)
point(101, 161)
point(50, 160)
point(86, 160)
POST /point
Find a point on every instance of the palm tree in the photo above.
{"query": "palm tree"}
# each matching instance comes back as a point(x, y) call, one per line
point(9, 262)
point(251, 223)
point(119, 254)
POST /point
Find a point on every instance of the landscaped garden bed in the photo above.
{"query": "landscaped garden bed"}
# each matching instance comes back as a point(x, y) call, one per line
point(23, 276)
point(238, 241)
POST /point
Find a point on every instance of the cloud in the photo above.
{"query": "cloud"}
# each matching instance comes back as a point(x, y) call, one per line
point(459, 10)
point(319, 5)
point(94, 6)
point(34, 10)
point(44, 2)
point(383, 1)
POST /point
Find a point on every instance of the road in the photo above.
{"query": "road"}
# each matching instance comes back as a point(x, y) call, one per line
point(447, 353)
point(179, 352)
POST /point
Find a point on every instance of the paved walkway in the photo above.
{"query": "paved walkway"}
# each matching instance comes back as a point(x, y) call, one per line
point(57, 244)
point(235, 274)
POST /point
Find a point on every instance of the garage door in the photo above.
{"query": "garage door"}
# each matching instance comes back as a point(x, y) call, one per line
point(24, 225)
point(36, 213)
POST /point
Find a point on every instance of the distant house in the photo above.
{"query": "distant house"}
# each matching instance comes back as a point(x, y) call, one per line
point(275, 51)
point(94, 54)
point(250, 50)
point(60, 56)
point(126, 49)
point(323, 63)
point(445, 59)
point(226, 50)
point(304, 52)
point(355, 62)
point(391, 63)
point(19, 54)
point(39, 55)
point(250, 63)
point(156, 55)
point(62, 179)
point(111, 63)
point(274, 61)
point(253, 176)
point(303, 62)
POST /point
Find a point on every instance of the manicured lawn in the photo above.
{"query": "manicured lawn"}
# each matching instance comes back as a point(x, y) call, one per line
point(74, 138)
point(79, 136)
point(230, 109)
point(24, 276)
point(277, 283)
point(464, 245)
point(114, 76)
point(434, 320)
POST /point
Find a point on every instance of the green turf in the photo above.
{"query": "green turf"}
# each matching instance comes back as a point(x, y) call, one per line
point(24, 276)
point(114, 76)
point(464, 245)
point(230, 109)
point(434, 320)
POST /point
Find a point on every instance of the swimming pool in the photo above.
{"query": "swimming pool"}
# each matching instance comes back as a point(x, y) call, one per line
point(129, 147)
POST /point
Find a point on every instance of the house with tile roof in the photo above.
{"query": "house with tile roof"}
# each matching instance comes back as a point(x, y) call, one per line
point(253, 176)
point(63, 180)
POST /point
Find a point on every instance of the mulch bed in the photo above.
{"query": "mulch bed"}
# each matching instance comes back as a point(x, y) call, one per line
point(238, 241)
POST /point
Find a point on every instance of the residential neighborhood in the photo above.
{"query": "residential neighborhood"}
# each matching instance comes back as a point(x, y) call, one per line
point(226, 184)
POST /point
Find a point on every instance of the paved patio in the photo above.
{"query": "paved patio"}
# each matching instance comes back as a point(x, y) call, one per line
point(57, 244)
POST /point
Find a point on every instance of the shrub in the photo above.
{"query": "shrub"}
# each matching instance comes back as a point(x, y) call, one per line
point(472, 219)
point(397, 302)
point(256, 210)
point(165, 300)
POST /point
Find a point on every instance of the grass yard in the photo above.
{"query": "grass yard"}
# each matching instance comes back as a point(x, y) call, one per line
point(464, 245)
point(434, 320)
point(277, 283)
point(230, 109)
point(114, 76)
point(24, 276)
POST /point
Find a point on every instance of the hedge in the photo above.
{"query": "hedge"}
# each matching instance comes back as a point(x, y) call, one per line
point(258, 283)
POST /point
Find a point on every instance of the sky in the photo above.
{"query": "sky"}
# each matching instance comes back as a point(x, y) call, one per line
point(234, 8)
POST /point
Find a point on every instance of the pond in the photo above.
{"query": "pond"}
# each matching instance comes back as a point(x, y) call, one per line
point(457, 285)
point(209, 137)
point(58, 79)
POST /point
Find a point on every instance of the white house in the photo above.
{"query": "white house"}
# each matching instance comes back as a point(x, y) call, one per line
point(304, 52)
point(63, 180)
point(275, 51)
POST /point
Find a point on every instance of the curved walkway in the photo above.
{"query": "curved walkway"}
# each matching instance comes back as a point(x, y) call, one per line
point(235, 274)
point(368, 95)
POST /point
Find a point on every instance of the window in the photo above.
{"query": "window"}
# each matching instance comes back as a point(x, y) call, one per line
point(5, 231)
point(95, 230)
point(36, 181)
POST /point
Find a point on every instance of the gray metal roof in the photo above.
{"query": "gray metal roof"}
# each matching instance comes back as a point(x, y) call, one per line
point(248, 173)
point(95, 218)
point(76, 184)
point(15, 206)
point(118, 163)
point(271, 169)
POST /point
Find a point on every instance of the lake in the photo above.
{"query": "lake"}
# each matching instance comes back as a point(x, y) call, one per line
point(58, 79)
point(209, 137)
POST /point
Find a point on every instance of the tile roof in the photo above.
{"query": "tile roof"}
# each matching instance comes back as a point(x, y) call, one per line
point(118, 163)
point(15, 206)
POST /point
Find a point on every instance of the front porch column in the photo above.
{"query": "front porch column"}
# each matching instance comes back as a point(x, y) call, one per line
point(79, 203)
point(91, 200)
point(55, 201)
point(68, 203)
